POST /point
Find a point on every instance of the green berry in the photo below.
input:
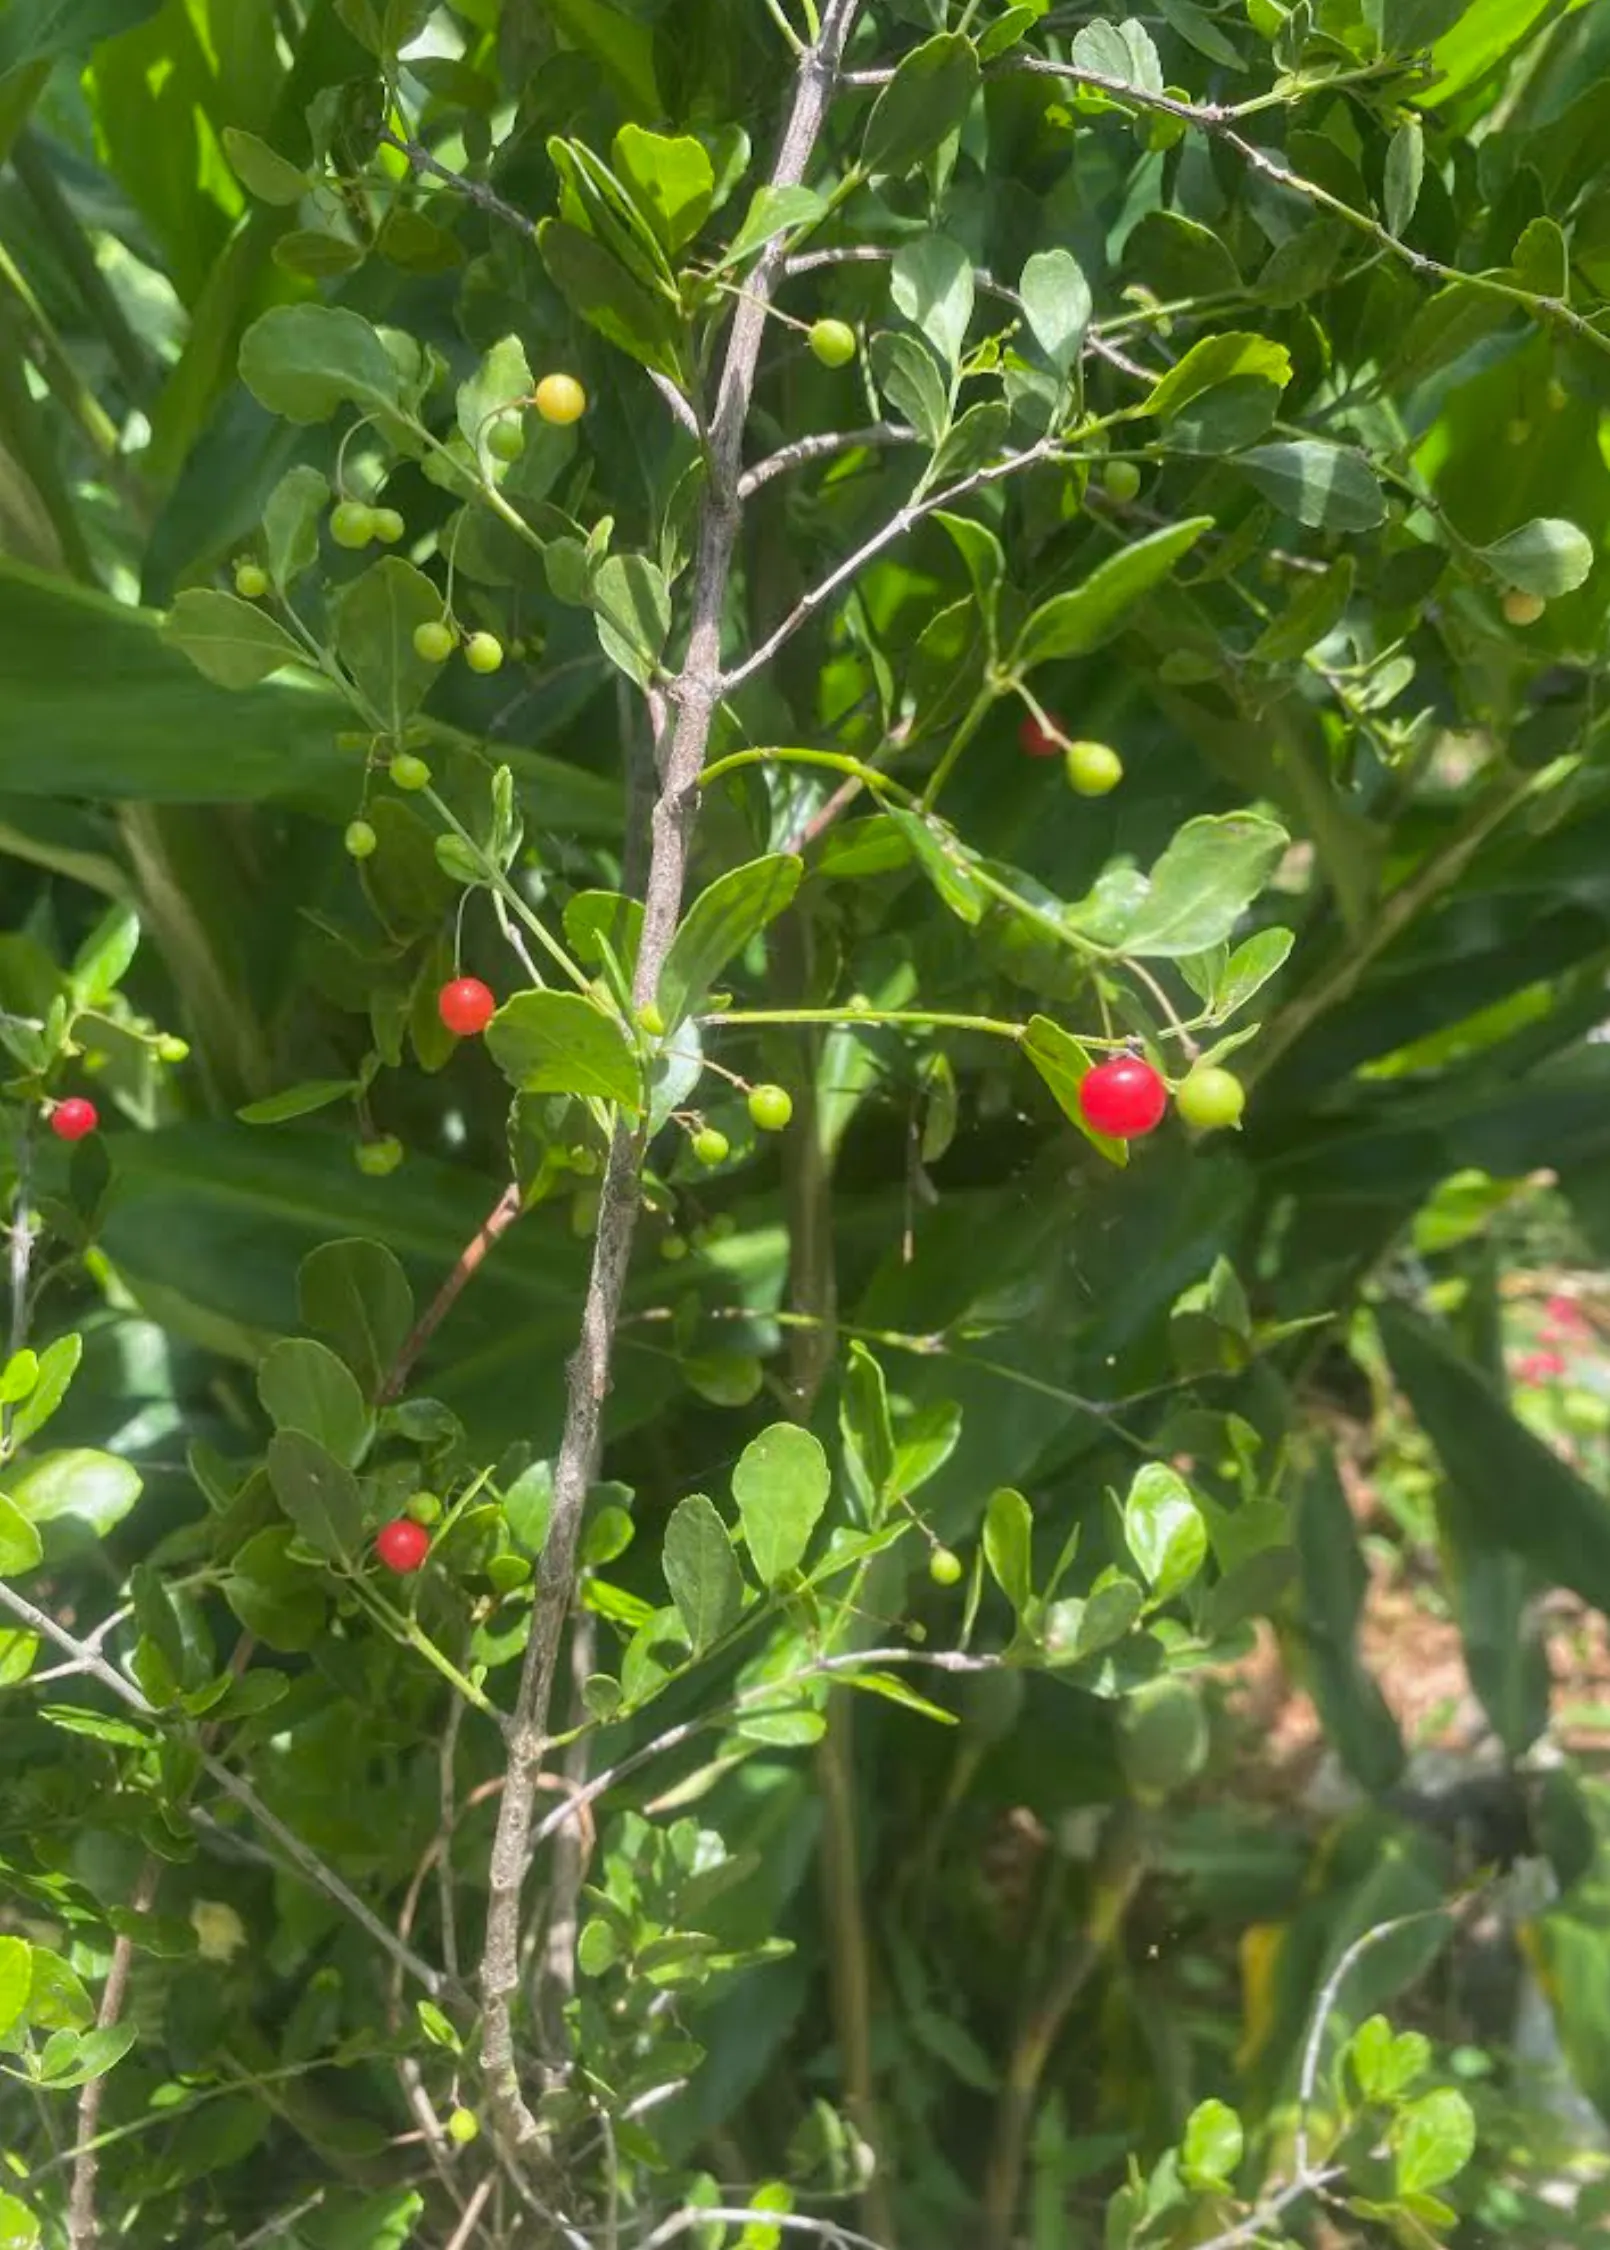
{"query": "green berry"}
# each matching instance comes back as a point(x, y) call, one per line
point(389, 526)
point(360, 840)
point(1092, 768)
point(172, 1049)
point(463, 2126)
point(377, 1158)
point(650, 1020)
point(945, 1567)
point(424, 1507)
point(710, 1146)
point(251, 581)
point(505, 440)
point(1209, 1098)
point(1522, 608)
point(673, 1249)
point(483, 652)
point(351, 523)
point(770, 1107)
point(434, 640)
point(832, 342)
point(408, 771)
point(1121, 480)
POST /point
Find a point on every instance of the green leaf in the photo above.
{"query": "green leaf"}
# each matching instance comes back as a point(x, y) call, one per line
point(637, 320)
point(528, 1506)
point(702, 1571)
point(264, 173)
point(931, 281)
point(1057, 305)
point(1541, 260)
point(19, 2229)
point(722, 920)
point(781, 1485)
point(1433, 2138)
point(560, 1043)
point(1314, 610)
point(83, 1492)
point(906, 373)
point(594, 919)
point(773, 211)
point(1198, 29)
point(303, 361)
point(984, 556)
point(1213, 2145)
point(503, 380)
point(1249, 969)
point(1216, 360)
point(1074, 623)
point(944, 860)
point(866, 1430)
point(375, 621)
point(672, 181)
point(102, 961)
point(1203, 884)
point(1063, 1064)
point(20, 1546)
point(19, 1376)
point(1332, 1576)
point(1548, 556)
point(297, 1101)
point(356, 1296)
point(72, 2058)
point(922, 105)
point(57, 2000)
point(303, 1386)
point(1120, 50)
point(1328, 487)
point(1009, 1547)
point(58, 1364)
point(1162, 1737)
point(233, 642)
point(1386, 2066)
point(1405, 168)
point(632, 603)
point(1077, 1630)
point(1164, 1530)
point(1490, 1456)
point(318, 1493)
point(975, 437)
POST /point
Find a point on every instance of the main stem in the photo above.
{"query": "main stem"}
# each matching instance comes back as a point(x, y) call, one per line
point(694, 696)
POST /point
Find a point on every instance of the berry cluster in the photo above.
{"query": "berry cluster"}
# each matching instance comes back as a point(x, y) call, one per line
point(1125, 1098)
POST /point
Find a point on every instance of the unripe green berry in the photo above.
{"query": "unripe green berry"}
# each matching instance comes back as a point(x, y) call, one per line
point(649, 1019)
point(1121, 480)
point(352, 524)
point(378, 1158)
point(673, 1249)
point(945, 1567)
point(711, 1146)
point(360, 839)
point(424, 1507)
point(434, 640)
point(251, 581)
point(1209, 1097)
point(408, 771)
point(389, 526)
point(483, 652)
point(1092, 768)
point(463, 2126)
point(505, 440)
point(832, 342)
point(770, 1108)
point(172, 1049)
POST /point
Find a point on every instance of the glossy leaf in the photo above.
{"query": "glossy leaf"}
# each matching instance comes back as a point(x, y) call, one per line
point(304, 361)
point(356, 1295)
point(702, 1571)
point(303, 1386)
point(1547, 556)
point(559, 1043)
point(719, 924)
point(1074, 623)
point(1009, 1547)
point(671, 180)
point(1164, 1530)
point(231, 641)
point(781, 1485)
point(376, 620)
point(1329, 487)
point(1056, 304)
point(1203, 884)
point(923, 104)
point(318, 1493)
point(79, 1494)
point(931, 281)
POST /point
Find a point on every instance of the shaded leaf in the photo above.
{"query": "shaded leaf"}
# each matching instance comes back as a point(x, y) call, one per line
point(1074, 623)
point(561, 1043)
point(702, 1571)
point(722, 920)
point(781, 1484)
point(231, 641)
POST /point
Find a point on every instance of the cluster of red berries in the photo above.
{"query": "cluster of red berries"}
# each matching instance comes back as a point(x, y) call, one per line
point(1125, 1098)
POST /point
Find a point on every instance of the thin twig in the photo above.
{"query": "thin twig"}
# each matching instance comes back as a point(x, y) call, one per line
point(695, 696)
point(464, 2232)
point(492, 1228)
point(896, 528)
point(476, 191)
point(819, 448)
point(83, 2228)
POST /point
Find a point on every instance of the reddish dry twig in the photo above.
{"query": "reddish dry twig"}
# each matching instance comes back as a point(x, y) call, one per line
point(492, 1228)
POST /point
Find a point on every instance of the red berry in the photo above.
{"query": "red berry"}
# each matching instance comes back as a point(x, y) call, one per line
point(466, 1006)
point(402, 1545)
point(1123, 1098)
point(1034, 741)
point(72, 1119)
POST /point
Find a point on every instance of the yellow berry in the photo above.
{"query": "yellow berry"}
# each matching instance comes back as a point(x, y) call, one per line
point(1522, 608)
point(561, 399)
point(483, 652)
